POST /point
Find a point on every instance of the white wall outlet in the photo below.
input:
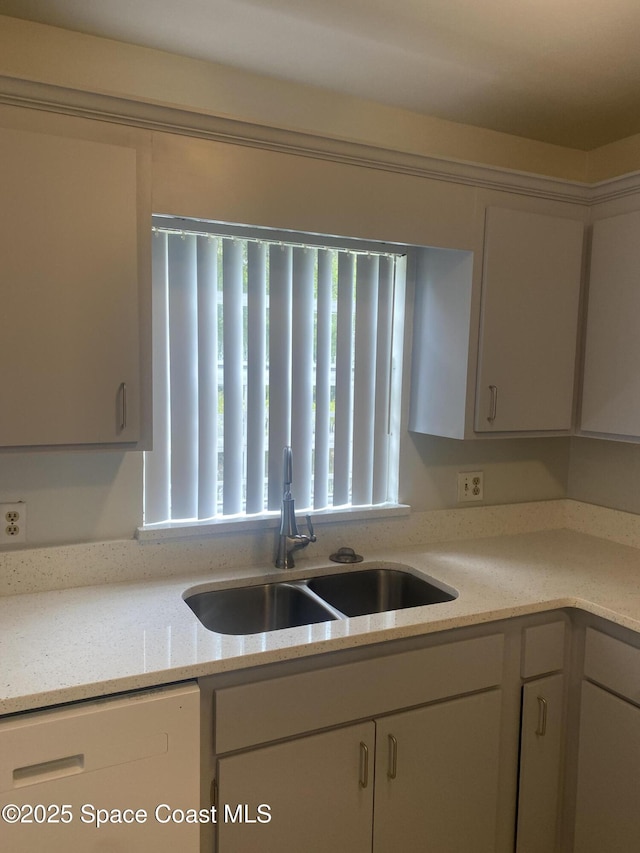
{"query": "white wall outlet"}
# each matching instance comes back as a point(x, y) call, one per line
point(13, 523)
point(470, 486)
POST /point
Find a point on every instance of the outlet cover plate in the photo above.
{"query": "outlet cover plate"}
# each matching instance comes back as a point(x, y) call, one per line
point(470, 486)
point(13, 523)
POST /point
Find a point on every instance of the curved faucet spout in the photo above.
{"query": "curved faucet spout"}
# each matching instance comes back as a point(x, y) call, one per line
point(289, 539)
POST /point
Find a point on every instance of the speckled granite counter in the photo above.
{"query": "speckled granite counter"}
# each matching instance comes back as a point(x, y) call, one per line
point(71, 644)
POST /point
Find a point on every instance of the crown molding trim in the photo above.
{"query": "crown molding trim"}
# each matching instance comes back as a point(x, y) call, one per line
point(614, 188)
point(24, 93)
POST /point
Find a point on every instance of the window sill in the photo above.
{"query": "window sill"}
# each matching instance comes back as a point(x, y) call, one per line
point(242, 524)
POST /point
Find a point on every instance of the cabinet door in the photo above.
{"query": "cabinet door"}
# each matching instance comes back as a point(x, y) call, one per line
point(529, 321)
point(611, 384)
point(540, 765)
point(607, 813)
point(318, 790)
point(437, 771)
point(69, 327)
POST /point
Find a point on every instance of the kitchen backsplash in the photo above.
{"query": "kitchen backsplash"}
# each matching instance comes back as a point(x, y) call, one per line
point(60, 567)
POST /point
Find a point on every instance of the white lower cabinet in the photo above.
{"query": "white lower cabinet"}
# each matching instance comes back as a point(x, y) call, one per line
point(607, 813)
point(312, 794)
point(608, 774)
point(541, 738)
point(429, 775)
point(437, 771)
point(403, 752)
point(105, 775)
point(442, 774)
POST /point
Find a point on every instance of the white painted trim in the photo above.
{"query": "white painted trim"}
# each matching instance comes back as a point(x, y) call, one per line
point(614, 188)
point(42, 96)
point(264, 521)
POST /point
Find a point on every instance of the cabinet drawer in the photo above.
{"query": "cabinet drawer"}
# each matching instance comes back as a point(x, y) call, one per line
point(543, 649)
point(262, 711)
point(612, 664)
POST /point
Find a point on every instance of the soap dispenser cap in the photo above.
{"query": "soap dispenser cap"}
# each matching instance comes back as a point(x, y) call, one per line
point(346, 555)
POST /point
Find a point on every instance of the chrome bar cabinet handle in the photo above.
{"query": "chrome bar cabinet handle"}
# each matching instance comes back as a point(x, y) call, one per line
point(392, 771)
point(542, 717)
point(493, 405)
point(364, 765)
point(123, 406)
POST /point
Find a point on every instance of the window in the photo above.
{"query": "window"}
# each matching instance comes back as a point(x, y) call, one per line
point(264, 340)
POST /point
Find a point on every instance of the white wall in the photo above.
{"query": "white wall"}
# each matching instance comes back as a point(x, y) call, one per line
point(515, 469)
point(88, 496)
point(39, 53)
point(606, 473)
point(79, 496)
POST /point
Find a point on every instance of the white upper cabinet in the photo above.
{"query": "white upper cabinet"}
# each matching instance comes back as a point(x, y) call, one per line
point(441, 330)
point(611, 384)
point(522, 327)
point(71, 246)
point(529, 322)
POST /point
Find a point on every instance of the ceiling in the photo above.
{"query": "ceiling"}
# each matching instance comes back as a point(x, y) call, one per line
point(561, 71)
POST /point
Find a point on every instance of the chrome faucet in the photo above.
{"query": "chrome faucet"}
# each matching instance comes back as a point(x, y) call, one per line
point(289, 539)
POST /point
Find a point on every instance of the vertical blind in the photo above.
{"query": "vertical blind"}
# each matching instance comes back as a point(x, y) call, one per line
point(261, 344)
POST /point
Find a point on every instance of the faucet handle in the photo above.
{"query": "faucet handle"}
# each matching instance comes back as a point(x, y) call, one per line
point(312, 536)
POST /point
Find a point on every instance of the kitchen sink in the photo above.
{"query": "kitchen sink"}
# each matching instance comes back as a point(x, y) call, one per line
point(253, 609)
point(377, 590)
point(339, 595)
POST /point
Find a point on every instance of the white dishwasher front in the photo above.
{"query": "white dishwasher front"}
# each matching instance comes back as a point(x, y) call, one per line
point(120, 774)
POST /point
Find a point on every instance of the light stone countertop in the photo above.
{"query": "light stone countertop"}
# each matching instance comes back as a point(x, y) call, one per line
point(71, 644)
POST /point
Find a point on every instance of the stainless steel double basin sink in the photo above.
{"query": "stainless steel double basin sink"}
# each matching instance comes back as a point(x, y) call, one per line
point(340, 595)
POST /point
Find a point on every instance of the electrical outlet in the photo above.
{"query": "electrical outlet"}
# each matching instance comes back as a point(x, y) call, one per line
point(13, 523)
point(470, 486)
